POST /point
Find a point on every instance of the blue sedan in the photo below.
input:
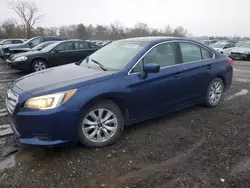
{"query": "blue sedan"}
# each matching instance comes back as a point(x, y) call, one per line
point(123, 83)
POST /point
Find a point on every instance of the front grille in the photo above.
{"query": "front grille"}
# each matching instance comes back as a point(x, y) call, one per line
point(11, 101)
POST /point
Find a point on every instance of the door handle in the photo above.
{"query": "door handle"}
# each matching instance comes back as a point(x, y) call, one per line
point(209, 66)
point(177, 75)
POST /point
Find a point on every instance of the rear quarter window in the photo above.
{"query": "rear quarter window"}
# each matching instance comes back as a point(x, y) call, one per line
point(206, 54)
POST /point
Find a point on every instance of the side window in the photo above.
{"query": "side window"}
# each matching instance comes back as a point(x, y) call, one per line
point(232, 45)
point(190, 52)
point(163, 55)
point(36, 41)
point(226, 46)
point(7, 42)
point(17, 42)
point(66, 46)
point(92, 45)
point(81, 45)
point(206, 54)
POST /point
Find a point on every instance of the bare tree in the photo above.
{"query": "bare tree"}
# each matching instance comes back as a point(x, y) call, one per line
point(28, 13)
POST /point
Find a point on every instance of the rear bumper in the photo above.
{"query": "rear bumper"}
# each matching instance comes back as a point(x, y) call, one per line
point(228, 78)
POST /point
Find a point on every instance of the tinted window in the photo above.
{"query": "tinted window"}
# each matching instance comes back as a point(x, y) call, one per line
point(81, 45)
point(66, 46)
point(163, 55)
point(17, 41)
point(226, 46)
point(51, 39)
point(190, 52)
point(92, 45)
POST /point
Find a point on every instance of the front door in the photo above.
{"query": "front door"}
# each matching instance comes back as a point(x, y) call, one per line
point(158, 92)
point(62, 54)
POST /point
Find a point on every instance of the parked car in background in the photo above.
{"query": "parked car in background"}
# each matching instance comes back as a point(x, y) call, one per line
point(223, 47)
point(58, 53)
point(239, 43)
point(208, 42)
point(11, 41)
point(38, 47)
point(5, 51)
point(123, 83)
point(241, 52)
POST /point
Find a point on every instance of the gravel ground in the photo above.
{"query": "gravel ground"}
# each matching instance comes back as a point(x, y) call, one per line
point(196, 147)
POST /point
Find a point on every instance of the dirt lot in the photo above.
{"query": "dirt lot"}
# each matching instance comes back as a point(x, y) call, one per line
point(196, 147)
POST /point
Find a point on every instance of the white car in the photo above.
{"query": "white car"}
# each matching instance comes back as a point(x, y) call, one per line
point(223, 47)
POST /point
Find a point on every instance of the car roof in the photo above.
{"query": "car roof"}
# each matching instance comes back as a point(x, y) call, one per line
point(152, 39)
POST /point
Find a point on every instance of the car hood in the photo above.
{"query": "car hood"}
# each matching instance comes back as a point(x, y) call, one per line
point(63, 77)
point(13, 46)
point(240, 50)
point(29, 53)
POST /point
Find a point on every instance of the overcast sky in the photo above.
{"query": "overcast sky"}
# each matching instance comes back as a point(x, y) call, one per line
point(199, 17)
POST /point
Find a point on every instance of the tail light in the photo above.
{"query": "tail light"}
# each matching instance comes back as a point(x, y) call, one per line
point(230, 61)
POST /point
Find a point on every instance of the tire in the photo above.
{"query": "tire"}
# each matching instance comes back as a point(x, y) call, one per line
point(100, 125)
point(38, 65)
point(217, 93)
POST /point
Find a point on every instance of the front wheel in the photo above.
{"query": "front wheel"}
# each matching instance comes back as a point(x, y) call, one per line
point(101, 125)
point(214, 92)
point(38, 65)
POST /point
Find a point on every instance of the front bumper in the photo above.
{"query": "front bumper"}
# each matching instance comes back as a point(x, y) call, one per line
point(19, 65)
point(238, 56)
point(46, 128)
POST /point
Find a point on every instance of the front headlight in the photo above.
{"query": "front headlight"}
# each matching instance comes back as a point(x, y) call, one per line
point(246, 52)
point(22, 58)
point(49, 101)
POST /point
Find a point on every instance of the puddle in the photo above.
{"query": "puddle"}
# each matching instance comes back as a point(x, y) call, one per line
point(8, 163)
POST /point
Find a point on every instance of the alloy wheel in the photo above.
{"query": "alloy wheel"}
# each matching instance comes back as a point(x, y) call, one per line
point(39, 66)
point(215, 92)
point(99, 125)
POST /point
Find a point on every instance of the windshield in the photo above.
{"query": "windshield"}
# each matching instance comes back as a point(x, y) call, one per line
point(50, 47)
point(116, 55)
point(218, 45)
point(42, 45)
point(245, 45)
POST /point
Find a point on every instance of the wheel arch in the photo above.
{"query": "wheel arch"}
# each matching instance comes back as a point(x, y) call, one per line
point(120, 102)
point(38, 58)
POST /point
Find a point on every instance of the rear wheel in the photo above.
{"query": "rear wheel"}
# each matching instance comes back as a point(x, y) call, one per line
point(38, 65)
point(101, 125)
point(214, 92)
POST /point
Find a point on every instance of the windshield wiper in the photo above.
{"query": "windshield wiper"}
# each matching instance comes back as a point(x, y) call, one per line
point(102, 67)
point(79, 62)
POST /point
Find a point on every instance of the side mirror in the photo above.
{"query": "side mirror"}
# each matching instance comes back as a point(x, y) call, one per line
point(150, 68)
point(30, 44)
point(56, 51)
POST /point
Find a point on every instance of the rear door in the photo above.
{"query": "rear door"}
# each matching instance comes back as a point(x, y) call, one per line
point(196, 60)
point(82, 50)
point(62, 54)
